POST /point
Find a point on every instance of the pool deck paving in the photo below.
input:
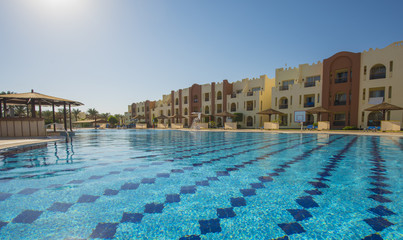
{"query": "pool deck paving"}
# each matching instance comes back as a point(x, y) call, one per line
point(17, 142)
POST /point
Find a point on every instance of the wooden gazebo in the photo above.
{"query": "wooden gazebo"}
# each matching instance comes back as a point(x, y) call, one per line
point(270, 112)
point(33, 99)
point(383, 108)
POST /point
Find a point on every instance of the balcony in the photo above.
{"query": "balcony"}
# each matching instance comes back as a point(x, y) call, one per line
point(377, 76)
point(249, 94)
point(207, 112)
point(283, 88)
point(219, 110)
point(233, 95)
point(233, 109)
point(206, 99)
point(340, 80)
point(339, 103)
point(309, 104)
point(309, 84)
point(249, 108)
point(283, 106)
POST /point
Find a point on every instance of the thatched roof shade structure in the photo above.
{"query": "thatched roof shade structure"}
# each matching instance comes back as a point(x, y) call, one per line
point(270, 112)
point(318, 110)
point(33, 98)
point(162, 117)
point(224, 114)
point(383, 107)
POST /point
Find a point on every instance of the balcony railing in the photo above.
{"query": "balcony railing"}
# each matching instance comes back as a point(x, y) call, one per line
point(219, 110)
point(283, 88)
point(309, 84)
point(249, 94)
point(249, 108)
point(283, 106)
point(194, 100)
point(233, 109)
point(206, 99)
point(219, 97)
point(340, 80)
point(233, 95)
point(206, 112)
point(185, 102)
point(377, 76)
point(309, 104)
point(338, 103)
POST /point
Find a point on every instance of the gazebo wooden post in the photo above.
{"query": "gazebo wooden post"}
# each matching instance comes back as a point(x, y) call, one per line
point(71, 128)
point(1, 112)
point(33, 114)
point(54, 117)
point(5, 107)
point(40, 109)
point(64, 116)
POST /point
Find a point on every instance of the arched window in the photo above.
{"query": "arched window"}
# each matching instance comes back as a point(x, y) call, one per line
point(186, 111)
point(374, 119)
point(176, 101)
point(161, 112)
point(206, 110)
point(195, 99)
point(169, 112)
point(378, 71)
point(340, 99)
point(249, 121)
point(283, 103)
point(233, 107)
point(219, 95)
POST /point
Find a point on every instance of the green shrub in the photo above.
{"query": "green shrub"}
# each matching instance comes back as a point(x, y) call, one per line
point(350, 128)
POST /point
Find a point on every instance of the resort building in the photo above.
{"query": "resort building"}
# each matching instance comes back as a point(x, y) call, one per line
point(381, 80)
point(297, 89)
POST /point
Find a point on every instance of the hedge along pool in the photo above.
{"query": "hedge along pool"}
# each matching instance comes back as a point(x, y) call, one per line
point(150, 184)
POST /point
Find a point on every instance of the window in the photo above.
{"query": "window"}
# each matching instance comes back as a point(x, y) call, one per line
point(148, 108)
point(169, 112)
point(284, 120)
point(142, 109)
point(233, 95)
point(195, 99)
point(185, 100)
point(238, 91)
point(390, 92)
point(219, 108)
point(340, 99)
point(195, 109)
point(318, 97)
point(309, 101)
point(283, 103)
point(365, 70)
point(376, 93)
point(341, 77)
point(206, 110)
point(339, 119)
point(161, 112)
point(362, 116)
point(255, 89)
point(391, 66)
point(377, 72)
point(233, 107)
point(249, 121)
point(291, 100)
point(186, 111)
point(176, 101)
point(363, 94)
point(310, 81)
point(249, 105)
point(275, 102)
point(219, 95)
point(285, 85)
point(206, 97)
point(249, 94)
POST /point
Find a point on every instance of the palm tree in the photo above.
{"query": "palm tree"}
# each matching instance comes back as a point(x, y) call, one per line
point(60, 115)
point(75, 113)
point(93, 114)
point(104, 116)
point(20, 111)
point(119, 117)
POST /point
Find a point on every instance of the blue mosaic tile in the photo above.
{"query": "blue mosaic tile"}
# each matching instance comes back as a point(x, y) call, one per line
point(129, 186)
point(190, 237)
point(213, 178)
point(153, 208)
point(87, 198)
point(322, 179)
point(110, 192)
point(104, 230)
point(27, 216)
point(148, 180)
point(131, 169)
point(222, 173)
point(380, 184)
point(274, 174)
point(188, 189)
point(114, 172)
point(76, 182)
point(282, 238)
point(279, 170)
point(381, 211)
point(28, 191)
point(55, 186)
point(202, 183)
point(265, 179)
point(197, 164)
point(378, 169)
point(299, 214)
point(188, 168)
point(307, 202)
point(171, 198)
point(132, 217)
point(4, 196)
point(379, 178)
point(210, 226)
point(60, 207)
point(313, 192)
point(319, 184)
point(291, 228)
point(324, 174)
point(96, 177)
point(378, 223)
point(177, 171)
point(248, 192)
point(257, 185)
point(374, 236)
point(240, 166)
point(380, 198)
point(163, 175)
point(238, 202)
point(2, 224)
point(231, 169)
point(380, 190)
point(225, 212)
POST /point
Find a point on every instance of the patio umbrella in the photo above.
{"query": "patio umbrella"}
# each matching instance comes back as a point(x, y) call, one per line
point(318, 110)
point(224, 114)
point(162, 117)
point(383, 107)
point(177, 116)
point(269, 112)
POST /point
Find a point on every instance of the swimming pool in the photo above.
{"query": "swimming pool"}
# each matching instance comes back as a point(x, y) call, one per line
point(151, 184)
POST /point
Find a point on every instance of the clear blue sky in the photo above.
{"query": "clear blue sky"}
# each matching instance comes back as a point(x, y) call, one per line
point(110, 53)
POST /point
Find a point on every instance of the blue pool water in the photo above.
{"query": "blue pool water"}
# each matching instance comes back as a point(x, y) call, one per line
point(150, 184)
